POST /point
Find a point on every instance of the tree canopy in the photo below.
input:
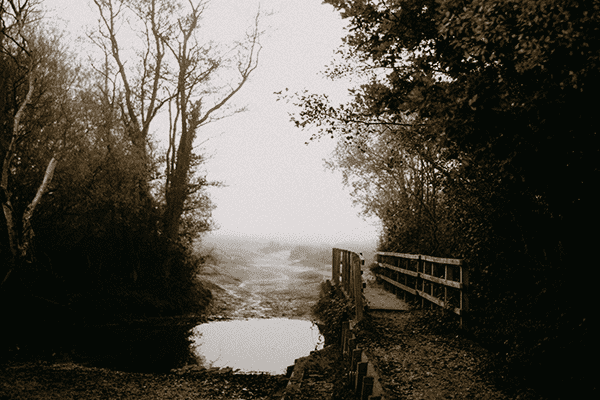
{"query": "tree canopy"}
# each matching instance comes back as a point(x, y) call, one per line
point(100, 223)
point(494, 103)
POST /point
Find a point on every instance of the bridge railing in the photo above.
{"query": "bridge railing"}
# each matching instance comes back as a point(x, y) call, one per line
point(347, 274)
point(440, 281)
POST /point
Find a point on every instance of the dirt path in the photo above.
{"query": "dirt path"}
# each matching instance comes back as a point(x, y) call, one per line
point(416, 362)
point(268, 286)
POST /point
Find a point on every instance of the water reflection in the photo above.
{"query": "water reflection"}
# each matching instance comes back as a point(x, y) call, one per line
point(255, 345)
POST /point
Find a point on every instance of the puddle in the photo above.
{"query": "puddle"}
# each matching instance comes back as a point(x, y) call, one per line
point(255, 345)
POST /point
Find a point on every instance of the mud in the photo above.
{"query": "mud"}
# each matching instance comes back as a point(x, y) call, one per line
point(263, 286)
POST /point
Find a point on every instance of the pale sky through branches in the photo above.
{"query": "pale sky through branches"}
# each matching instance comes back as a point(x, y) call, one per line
point(276, 186)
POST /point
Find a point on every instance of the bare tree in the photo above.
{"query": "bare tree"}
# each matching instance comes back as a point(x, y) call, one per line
point(195, 68)
point(142, 89)
point(26, 60)
point(174, 67)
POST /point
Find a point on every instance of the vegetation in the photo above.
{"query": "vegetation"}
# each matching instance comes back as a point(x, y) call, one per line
point(98, 222)
point(473, 134)
point(330, 311)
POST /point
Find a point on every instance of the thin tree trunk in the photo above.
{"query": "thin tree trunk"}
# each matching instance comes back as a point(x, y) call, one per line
point(27, 229)
point(7, 208)
point(22, 242)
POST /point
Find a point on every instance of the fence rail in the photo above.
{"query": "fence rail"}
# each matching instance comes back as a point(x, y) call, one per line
point(440, 281)
point(347, 274)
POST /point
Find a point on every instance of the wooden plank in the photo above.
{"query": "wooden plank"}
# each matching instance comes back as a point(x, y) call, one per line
point(441, 281)
point(419, 293)
point(399, 255)
point(397, 284)
point(398, 269)
point(437, 301)
point(429, 297)
point(430, 278)
point(437, 260)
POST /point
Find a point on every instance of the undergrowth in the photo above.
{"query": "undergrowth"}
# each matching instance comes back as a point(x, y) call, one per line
point(330, 311)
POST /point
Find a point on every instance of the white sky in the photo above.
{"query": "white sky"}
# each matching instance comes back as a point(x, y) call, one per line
point(276, 185)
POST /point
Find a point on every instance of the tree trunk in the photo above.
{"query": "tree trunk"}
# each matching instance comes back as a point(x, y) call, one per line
point(177, 190)
point(21, 243)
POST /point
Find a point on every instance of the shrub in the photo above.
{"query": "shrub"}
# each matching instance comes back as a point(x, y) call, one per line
point(330, 311)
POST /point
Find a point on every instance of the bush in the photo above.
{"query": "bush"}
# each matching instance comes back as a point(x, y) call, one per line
point(330, 311)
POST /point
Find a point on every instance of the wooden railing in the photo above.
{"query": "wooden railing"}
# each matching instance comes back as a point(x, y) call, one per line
point(346, 273)
point(440, 281)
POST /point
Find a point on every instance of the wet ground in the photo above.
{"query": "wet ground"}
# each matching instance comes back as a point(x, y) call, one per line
point(264, 286)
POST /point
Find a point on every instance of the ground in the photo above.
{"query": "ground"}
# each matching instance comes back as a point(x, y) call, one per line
point(66, 380)
point(414, 360)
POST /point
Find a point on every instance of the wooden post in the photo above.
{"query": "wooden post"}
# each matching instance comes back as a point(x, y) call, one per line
point(335, 266)
point(356, 358)
point(351, 345)
point(431, 285)
point(445, 287)
point(358, 298)
point(367, 387)
point(361, 372)
point(464, 297)
point(421, 270)
point(344, 257)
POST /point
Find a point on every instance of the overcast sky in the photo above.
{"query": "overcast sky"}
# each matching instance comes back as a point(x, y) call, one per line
point(277, 186)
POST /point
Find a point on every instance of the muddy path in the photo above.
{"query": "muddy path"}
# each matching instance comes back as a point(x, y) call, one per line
point(257, 285)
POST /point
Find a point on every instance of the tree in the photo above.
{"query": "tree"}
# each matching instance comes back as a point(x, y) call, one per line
point(35, 76)
point(73, 170)
point(503, 92)
point(397, 185)
point(177, 70)
point(196, 68)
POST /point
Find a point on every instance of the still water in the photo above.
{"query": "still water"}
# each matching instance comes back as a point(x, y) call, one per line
point(255, 345)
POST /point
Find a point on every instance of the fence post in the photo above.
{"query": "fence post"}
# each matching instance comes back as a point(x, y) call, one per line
point(421, 270)
point(335, 266)
point(464, 297)
point(445, 287)
point(361, 372)
point(367, 389)
point(344, 258)
point(358, 298)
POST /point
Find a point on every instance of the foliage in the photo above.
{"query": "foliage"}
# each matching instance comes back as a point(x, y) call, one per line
point(96, 250)
point(403, 188)
point(330, 311)
point(497, 99)
point(177, 73)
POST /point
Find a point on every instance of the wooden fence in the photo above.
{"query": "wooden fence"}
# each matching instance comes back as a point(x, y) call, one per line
point(440, 281)
point(346, 273)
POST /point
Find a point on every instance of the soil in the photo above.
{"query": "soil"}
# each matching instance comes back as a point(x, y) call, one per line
point(66, 380)
point(419, 356)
